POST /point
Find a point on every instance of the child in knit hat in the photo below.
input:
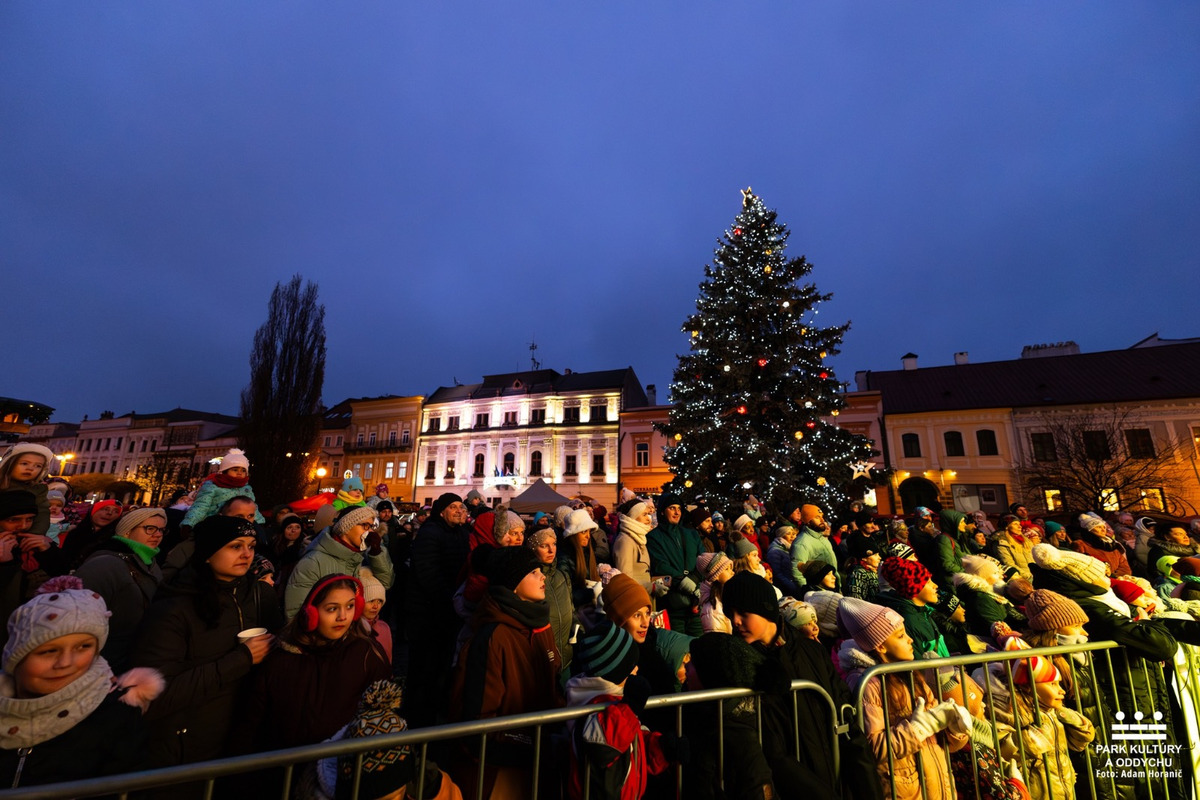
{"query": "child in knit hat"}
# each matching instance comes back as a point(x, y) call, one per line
point(232, 480)
point(375, 594)
point(906, 723)
point(63, 715)
point(716, 568)
point(1048, 735)
point(621, 752)
point(25, 466)
point(913, 595)
point(350, 495)
point(980, 586)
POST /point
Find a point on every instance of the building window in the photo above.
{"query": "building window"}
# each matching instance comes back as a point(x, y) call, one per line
point(1140, 443)
point(537, 416)
point(911, 443)
point(478, 465)
point(391, 438)
point(1052, 499)
point(359, 440)
point(598, 413)
point(328, 439)
point(1043, 447)
point(404, 438)
point(370, 470)
point(1096, 448)
point(430, 469)
point(108, 444)
point(102, 464)
point(450, 468)
point(453, 423)
point(372, 440)
point(571, 467)
point(402, 472)
point(481, 420)
point(510, 463)
point(1153, 500)
point(535, 463)
point(641, 454)
point(1110, 500)
point(510, 418)
point(153, 445)
point(986, 440)
point(954, 444)
point(117, 446)
point(339, 441)
point(598, 464)
point(357, 470)
point(571, 415)
point(145, 444)
point(131, 444)
point(87, 445)
point(388, 471)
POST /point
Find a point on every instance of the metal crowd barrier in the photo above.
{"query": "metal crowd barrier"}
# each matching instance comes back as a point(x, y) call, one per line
point(1086, 780)
point(210, 771)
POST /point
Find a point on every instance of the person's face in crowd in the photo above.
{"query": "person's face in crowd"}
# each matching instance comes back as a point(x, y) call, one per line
point(281, 513)
point(788, 536)
point(18, 523)
point(382, 492)
point(513, 537)
point(645, 517)
point(719, 526)
point(455, 513)
point(292, 532)
point(980, 539)
point(1034, 534)
point(871, 562)
point(56, 506)
point(237, 472)
point(532, 587)
point(706, 525)
point(928, 593)
point(106, 516)
point(335, 613)
point(27, 467)
point(1051, 694)
point(356, 533)
point(673, 514)
point(1072, 630)
point(243, 509)
point(753, 628)
point(753, 560)
point(818, 524)
point(1177, 535)
point(638, 625)
point(962, 525)
point(585, 537)
point(150, 532)
point(1022, 513)
point(385, 514)
point(959, 615)
point(371, 609)
point(810, 630)
point(55, 664)
point(547, 549)
point(870, 528)
point(1014, 527)
point(355, 494)
point(234, 559)
point(421, 517)
point(829, 581)
point(897, 647)
point(725, 574)
point(1125, 519)
point(795, 518)
point(1146, 603)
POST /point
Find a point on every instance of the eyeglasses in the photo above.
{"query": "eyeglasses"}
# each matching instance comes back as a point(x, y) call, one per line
point(153, 529)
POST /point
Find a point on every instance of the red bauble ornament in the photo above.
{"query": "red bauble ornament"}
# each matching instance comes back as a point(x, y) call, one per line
point(742, 409)
point(824, 375)
point(810, 424)
point(737, 231)
point(762, 362)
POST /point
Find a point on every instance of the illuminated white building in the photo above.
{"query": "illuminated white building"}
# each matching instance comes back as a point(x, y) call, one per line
point(500, 435)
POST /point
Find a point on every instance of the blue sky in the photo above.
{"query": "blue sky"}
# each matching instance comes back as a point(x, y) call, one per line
point(463, 178)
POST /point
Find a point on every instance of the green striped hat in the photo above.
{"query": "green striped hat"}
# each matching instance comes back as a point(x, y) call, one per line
point(608, 652)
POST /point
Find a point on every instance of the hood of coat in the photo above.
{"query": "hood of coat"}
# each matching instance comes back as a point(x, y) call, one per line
point(976, 583)
point(1101, 542)
point(1173, 549)
point(582, 689)
point(326, 544)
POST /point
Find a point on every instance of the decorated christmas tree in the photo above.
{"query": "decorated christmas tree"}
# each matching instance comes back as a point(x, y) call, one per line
point(755, 404)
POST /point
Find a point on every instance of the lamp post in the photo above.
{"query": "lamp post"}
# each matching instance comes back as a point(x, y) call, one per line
point(62, 462)
point(321, 473)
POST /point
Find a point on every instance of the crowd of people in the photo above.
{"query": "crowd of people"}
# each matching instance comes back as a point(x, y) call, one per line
point(150, 637)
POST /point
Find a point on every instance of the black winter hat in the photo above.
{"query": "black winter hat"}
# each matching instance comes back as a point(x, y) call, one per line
point(668, 499)
point(860, 546)
point(443, 502)
point(815, 571)
point(17, 502)
point(750, 594)
point(723, 661)
point(508, 566)
point(214, 532)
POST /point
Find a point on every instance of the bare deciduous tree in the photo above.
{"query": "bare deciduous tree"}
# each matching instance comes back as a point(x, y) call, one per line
point(281, 406)
point(1100, 458)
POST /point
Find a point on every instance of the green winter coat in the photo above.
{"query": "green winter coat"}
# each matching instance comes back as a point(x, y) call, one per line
point(812, 546)
point(673, 552)
point(328, 556)
point(919, 622)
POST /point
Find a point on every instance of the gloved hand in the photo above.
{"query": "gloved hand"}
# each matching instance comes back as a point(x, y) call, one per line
point(661, 586)
point(957, 718)
point(374, 543)
point(925, 723)
point(688, 587)
point(637, 692)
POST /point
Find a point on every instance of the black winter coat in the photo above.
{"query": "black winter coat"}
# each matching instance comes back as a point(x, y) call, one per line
point(438, 559)
point(204, 666)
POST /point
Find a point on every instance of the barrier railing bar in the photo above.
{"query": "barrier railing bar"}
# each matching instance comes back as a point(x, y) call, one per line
point(482, 766)
point(537, 758)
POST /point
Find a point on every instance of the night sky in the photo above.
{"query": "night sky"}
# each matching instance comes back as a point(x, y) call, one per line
point(463, 178)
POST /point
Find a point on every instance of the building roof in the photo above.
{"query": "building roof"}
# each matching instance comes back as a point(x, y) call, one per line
point(546, 381)
point(1165, 372)
point(188, 415)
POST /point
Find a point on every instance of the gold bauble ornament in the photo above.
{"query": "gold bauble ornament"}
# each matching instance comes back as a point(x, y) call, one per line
point(767, 269)
point(821, 481)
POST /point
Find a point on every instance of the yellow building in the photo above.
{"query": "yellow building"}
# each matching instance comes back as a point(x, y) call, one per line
point(642, 468)
point(372, 438)
point(983, 436)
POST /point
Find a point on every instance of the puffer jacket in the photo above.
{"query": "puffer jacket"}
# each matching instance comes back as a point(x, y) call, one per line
point(328, 556)
point(985, 607)
point(787, 577)
point(1047, 747)
point(899, 738)
point(562, 610)
point(210, 497)
point(1110, 551)
point(632, 558)
point(1011, 553)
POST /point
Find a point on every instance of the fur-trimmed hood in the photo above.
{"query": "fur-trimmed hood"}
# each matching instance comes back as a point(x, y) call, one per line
point(978, 584)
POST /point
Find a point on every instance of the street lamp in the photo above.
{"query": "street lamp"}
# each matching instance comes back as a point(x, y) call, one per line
point(62, 462)
point(321, 473)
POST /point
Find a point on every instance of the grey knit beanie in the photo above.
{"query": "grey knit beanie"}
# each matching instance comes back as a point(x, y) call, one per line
point(61, 607)
point(354, 515)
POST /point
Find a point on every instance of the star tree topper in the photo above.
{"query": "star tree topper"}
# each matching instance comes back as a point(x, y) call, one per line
point(862, 469)
point(747, 198)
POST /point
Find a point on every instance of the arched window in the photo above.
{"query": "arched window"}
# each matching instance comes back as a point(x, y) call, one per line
point(535, 463)
point(954, 443)
point(912, 445)
point(510, 463)
point(479, 465)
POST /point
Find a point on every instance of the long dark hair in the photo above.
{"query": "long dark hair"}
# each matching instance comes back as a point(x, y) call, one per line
point(585, 562)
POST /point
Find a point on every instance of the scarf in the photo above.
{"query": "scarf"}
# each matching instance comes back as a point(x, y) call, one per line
point(26, 722)
point(349, 501)
point(142, 551)
point(634, 530)
point(530, 614)
point(227, 481)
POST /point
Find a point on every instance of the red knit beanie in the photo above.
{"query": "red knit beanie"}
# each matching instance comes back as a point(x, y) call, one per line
point(1127, 590)
point(907, 578)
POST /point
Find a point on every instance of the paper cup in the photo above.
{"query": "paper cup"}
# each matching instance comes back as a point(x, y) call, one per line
point(251, 633)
